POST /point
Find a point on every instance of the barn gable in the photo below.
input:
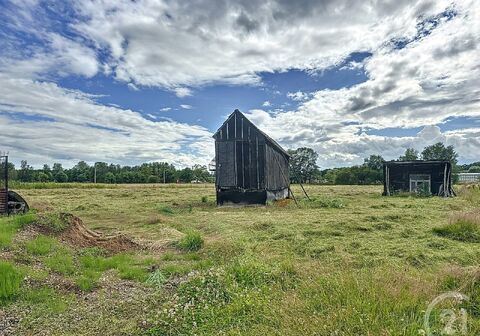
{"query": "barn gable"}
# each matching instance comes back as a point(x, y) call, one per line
point(248, 162)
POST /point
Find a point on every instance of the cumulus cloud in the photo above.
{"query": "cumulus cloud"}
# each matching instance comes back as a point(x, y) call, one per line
point(407, 87)
point(68, 125)
point(266, 104)
point(182, 92)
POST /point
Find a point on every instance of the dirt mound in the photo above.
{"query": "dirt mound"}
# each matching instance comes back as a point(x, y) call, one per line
point(77, 234)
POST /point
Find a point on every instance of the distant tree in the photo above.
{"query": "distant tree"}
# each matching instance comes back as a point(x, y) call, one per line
point(60, 177)
point(110, 178)
point(344, 176)
point(303, 164)
point(201, 173)
point(26, 173)
point(438, 151)
point(42, 177)
point(152, 179)
point(474, 169)
point(185, 175)
point(374, 162)
point(411, 154)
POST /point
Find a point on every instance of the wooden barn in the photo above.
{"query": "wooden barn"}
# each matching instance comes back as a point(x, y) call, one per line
point(433, 177)
point(250, 167)
point(3, 184)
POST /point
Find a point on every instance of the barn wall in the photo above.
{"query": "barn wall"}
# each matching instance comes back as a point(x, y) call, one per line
point(276, 169)
point(240, 155)
point(399, 175)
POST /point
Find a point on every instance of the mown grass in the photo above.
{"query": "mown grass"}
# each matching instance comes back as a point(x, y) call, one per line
point(348, 262)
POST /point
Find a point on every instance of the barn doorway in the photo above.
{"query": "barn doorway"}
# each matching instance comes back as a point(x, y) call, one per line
point(420, 182)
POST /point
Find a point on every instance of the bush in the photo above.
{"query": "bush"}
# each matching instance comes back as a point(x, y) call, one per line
point(464, 227)
point(204, 199)
point(192, 241)
point(10, 279)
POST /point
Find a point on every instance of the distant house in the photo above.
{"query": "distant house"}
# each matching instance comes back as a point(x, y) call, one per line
point(433, 177)
point(250, 167)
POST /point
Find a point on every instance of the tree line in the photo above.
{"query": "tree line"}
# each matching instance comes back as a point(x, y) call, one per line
point(303, 169)
point(102, 172)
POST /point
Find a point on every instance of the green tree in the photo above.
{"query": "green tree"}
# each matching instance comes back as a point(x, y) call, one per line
point(374, 162)
point(185, 175)
point(110, 178)
point(474, 169)
point(411, 154)
point(438, 151)
point(303, 164)
point(61, 177)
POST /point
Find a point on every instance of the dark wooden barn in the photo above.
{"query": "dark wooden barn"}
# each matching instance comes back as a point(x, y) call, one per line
point(433, 177)
point(250, 167)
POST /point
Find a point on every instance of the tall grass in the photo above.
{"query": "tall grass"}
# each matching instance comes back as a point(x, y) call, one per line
point(463, 227)
point(10, 279)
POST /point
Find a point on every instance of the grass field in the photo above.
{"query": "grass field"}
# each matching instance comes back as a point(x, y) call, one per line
point(349, 262)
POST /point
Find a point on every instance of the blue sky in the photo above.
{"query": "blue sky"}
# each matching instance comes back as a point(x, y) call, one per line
point(129, 82)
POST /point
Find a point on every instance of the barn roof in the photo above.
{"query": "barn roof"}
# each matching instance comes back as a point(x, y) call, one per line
point(267, 138)
point(416, 162)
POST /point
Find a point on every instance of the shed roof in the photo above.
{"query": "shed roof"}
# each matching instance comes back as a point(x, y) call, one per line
point(268, 138)
point(417, 162)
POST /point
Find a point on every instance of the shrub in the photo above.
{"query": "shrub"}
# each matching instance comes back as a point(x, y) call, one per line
point(464, 227)
point(204, 199)
point(10, 279)
point(41, 245)
point(192, 241)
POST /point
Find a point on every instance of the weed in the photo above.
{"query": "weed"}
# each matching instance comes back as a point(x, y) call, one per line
point(204, 199)
point(88, 280)
point(335, 203)
point(192, 241)
point(52, 221)
point(10, 279)
point(156, 279)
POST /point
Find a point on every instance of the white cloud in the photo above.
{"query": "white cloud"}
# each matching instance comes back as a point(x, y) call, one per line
point(432, 79)
point(173, 44)
point(186, 106)
point(67, 126)
point(298, 96)
point(133, 87)
point(266, 104)
point(182, 92)
point(165, 109)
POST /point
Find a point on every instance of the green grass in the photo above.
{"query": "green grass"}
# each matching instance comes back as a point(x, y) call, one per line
point(349, 262)
point(192, 241)
point(464, 227)
point(10, 279)
point(41, 245)
point(10, 225)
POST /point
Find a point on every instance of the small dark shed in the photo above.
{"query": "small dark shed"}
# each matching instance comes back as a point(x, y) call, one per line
point(250, 167)
point(418, 176)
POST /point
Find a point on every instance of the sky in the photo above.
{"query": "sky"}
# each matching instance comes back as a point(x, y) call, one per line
point(141, 81)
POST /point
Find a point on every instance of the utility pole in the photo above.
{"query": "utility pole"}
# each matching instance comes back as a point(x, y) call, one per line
point(164, 176)
point(95, 172)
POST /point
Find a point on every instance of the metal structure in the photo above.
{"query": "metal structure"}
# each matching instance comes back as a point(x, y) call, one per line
point(434, 177)
point(10, 201)
point(250, 167)
point(3, 184)
point(469, 177)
